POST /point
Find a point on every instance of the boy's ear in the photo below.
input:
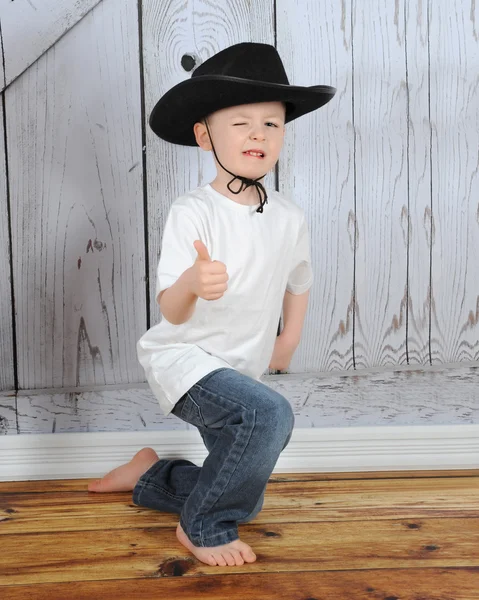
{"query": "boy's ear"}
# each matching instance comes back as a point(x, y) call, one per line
point(202, 137)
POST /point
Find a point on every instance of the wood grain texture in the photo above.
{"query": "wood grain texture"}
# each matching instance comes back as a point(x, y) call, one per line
point(316, 171)
point(78, 485)
point(74, 144)
point(8, 414)
point(376, 396)
point(171, 30)
point(387, 174)
point(435, 396)
point(55, 532)
point(416, 218)
point(2, 57)
point(133, 409)
point(280, 547)
point(406, 584)
point(7, 354)
point(380, 120)
point(30, 28)
point(53, 507)
point(454, 51)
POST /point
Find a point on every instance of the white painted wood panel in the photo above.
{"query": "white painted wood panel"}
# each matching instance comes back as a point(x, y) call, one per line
point(380, 119)
point(171, 30)
point(416, 219)
point(110, 409)
point(74, 144)
point(7, 356)
point(8, 414)
point(433, 396)
point(2, 66)
point(316, 171)
point(31, 27)
point(361, 168)
point(454, 50)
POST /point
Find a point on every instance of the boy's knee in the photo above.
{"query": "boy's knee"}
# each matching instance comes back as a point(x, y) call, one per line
point(287, 414)
point(278, 414)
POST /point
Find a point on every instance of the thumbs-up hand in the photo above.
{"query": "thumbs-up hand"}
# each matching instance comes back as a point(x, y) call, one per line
point(202, 251)
point(208, 278)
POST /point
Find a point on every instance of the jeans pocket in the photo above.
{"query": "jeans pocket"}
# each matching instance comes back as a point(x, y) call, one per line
point(179, 406)
point(190, 412)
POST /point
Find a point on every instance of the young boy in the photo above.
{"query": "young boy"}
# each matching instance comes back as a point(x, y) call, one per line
point(228, 266)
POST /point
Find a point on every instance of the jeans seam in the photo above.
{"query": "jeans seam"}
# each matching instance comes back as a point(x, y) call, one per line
point(143, 486)
point(200, 515)
point(209, 375)
point(220, 535)
point(235, 467)
point(138, 494)
point(222, 396)
point(223, 487)
point(200, 414)
point(201, 540)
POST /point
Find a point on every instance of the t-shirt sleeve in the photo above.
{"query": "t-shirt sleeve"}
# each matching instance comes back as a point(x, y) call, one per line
point(301, 275)
point(177, 250)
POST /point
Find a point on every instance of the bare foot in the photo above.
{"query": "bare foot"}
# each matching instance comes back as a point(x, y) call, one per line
point(124, 478)
point(232, 554)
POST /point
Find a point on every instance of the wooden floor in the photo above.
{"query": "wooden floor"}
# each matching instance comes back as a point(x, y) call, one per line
point(374, 536)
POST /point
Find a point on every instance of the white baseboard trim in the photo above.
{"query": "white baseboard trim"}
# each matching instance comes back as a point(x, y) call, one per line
point(85, 455)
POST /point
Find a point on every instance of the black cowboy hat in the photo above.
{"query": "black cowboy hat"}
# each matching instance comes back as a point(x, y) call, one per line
point(241, 74)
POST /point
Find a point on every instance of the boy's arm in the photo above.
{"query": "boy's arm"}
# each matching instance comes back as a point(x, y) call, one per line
point(177, 303)
point(294, 311)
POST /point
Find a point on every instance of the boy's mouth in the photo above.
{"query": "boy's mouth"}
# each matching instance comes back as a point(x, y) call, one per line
point(254, 153)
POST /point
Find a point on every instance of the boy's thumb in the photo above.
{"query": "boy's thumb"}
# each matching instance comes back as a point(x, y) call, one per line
point(202, 251)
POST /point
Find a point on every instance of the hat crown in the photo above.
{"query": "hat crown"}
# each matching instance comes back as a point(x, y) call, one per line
point(248, 60)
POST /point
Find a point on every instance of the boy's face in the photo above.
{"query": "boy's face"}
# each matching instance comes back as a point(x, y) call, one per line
point(238, 130)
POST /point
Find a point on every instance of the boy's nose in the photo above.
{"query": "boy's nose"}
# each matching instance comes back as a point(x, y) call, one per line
point(258, 135)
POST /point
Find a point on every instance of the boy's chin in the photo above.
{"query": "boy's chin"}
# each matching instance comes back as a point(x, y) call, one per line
point(252, 173)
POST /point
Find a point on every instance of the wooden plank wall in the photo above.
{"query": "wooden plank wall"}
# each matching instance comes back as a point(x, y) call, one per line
point(7, 381)
point(28, 29)
point(454, 84)
point(387, 174)
point(174, 32)
point(75, 164)
point(416, 221)
point(317, 170)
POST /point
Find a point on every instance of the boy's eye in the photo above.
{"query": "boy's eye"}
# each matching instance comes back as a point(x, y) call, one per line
point(267, 123)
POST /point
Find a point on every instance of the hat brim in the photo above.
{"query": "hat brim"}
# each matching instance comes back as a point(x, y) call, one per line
point(175, 114)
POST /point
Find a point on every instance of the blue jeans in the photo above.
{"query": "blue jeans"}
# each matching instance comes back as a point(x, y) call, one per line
point(245, 425)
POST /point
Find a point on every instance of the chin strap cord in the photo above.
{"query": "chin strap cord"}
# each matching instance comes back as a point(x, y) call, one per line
point(245, 181)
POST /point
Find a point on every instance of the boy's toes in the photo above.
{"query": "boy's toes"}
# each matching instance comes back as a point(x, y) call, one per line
point(237, 557)
point(94, 486)
point(229, 558)
point(248, 555)
point(211, 560)
point(220, 560)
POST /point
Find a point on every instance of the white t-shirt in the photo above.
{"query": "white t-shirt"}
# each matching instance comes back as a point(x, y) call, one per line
point(265, 255)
